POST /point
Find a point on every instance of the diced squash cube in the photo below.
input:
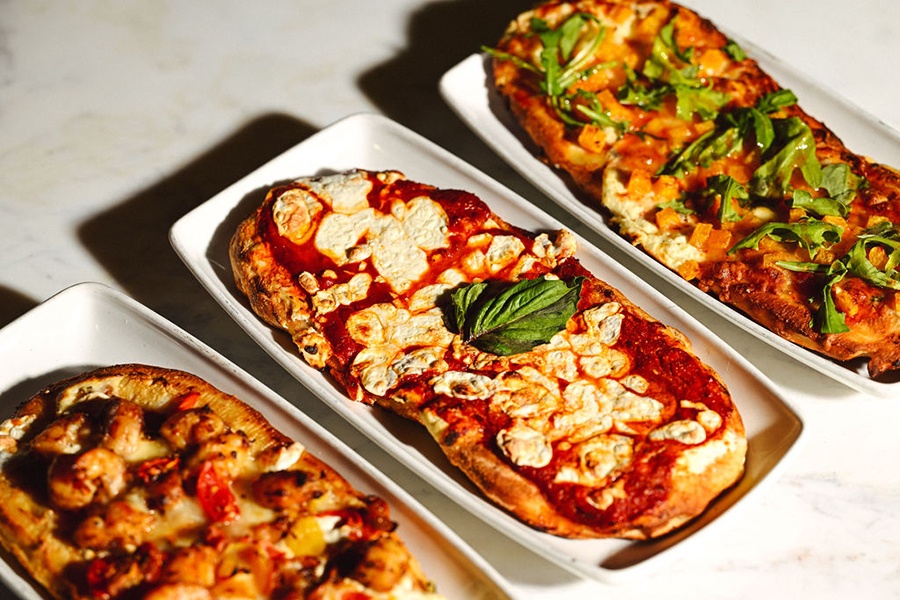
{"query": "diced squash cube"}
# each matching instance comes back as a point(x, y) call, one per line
point(700, 235)
point(668, 219)
point(639, 184)
point(689, 269)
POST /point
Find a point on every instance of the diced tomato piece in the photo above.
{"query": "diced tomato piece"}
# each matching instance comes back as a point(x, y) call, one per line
point(215, 495)
point(187, 400)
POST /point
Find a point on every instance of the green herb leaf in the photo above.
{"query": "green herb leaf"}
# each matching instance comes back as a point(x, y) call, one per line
point(667, 62)
point(508, 318)
point(678, 205)
point(810, 234)
point(731, 130)
point(795, 148)
point(734, 51)
point(594, 111)
point(728, 190)
point(776, 100)
point(823, 206)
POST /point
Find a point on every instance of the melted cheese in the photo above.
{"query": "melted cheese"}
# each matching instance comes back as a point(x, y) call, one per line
point(572, 402)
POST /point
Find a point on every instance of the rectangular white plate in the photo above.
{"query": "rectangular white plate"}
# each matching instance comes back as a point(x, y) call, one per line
point(373, 142)
point(469, 90)
point(90, 325)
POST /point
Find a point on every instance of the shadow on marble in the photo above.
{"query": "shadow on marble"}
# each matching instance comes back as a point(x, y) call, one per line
point(131, 239)
point(13, 304)
point(438, 36)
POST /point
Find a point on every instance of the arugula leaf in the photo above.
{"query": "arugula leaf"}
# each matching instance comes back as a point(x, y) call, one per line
point(855, 262)
point(776, 100)
point(678, 205)
point(731, 130)
point(566, 54)
point(828, 319)
point(734, 51)
point(670, 72)
point(595, 112)
point(795, 149)
point(560, 67)
point(635, 93)
point(840, 182)
point(727, 189)
point(812, 235)
point(703, 101)
point(508, 318)
point(667, 62)
point(841, 185)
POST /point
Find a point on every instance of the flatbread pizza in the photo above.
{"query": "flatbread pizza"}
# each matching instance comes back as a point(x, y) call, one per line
point(136, 481)
point(702, 160)
point(565, 403)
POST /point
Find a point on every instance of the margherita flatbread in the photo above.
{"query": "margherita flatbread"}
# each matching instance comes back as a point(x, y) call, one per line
point(135, 481)
point(564, 402)
point(706, 163)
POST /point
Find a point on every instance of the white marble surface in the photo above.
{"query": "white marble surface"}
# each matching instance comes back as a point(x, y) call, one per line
point(119, 117)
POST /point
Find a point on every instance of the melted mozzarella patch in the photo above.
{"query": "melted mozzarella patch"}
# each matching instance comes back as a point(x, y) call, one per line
point(503, 251)
point(597, 458)
point(685, 431)
point(294, 213)
point(396, 243)
point(464, 385)
point(525, 446)
point(344, 192)
point(342, 294)
point(396, 343)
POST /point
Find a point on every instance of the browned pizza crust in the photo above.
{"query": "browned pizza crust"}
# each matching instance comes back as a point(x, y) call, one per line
point(79, 451)
point(665, 478)
point(604, 163)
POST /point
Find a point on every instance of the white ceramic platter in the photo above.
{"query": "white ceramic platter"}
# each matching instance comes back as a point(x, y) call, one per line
point(372, 142)
point(468, 89)
point(90, 325)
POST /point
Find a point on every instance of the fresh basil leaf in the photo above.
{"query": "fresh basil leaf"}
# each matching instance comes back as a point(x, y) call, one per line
point(508, 318)
point(461, 300)
point(812, 235)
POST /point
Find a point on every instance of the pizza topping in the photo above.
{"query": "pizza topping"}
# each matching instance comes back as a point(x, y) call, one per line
point(215, 495)
point(208, 512)
point(78, 480)
point(525, 446)
point(508, 319)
